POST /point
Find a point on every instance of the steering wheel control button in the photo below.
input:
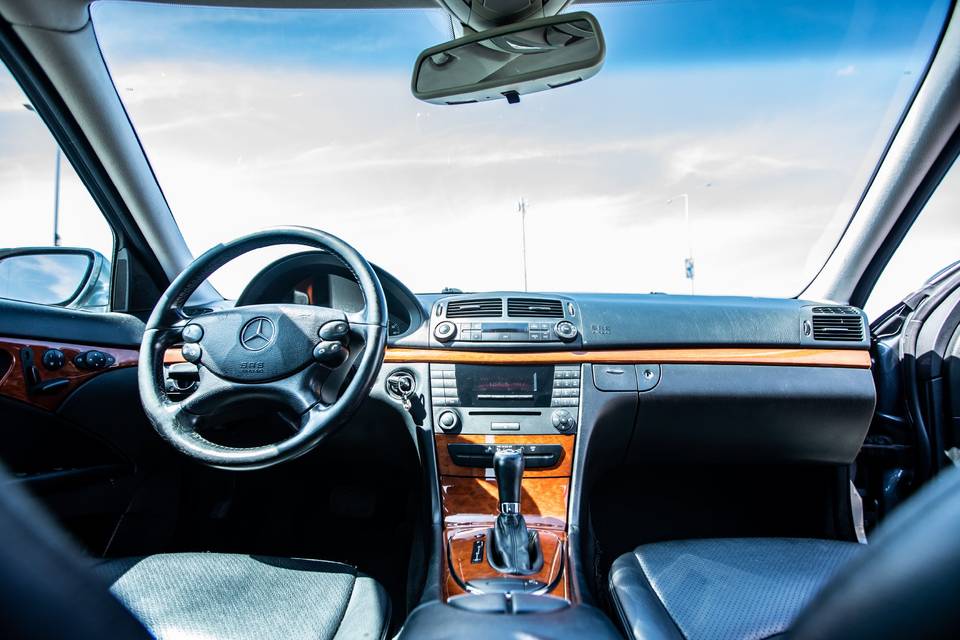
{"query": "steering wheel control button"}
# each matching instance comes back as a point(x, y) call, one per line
point(191, 352)
point(563, 421)
point(331, 354)
point(566, 330)
point(258, 334)
point(192, 333)
point(53, 359)
point(336, 330)
point(448, 420)
point(445, 331)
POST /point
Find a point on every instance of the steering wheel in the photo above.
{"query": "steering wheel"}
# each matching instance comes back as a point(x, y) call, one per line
point(294, 357)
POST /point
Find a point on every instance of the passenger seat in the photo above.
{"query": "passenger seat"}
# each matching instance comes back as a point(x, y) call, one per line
point(903, 584)
point(722, 588)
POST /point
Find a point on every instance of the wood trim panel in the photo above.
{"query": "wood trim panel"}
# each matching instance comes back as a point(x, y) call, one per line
point(458, 548)
point(850, 358)
point(173, 356)
point(446, 465)
point(13, 385)
point(475, 501)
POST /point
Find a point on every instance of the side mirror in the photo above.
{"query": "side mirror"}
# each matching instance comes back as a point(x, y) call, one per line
point(511, 61)
point(56, 276)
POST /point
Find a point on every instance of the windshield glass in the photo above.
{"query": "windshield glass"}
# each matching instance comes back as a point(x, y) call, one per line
point(728, 140)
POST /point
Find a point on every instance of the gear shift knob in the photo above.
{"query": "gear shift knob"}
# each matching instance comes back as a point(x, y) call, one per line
point(508, 467)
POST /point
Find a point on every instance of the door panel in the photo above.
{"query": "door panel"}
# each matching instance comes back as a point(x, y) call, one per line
point(74, 433)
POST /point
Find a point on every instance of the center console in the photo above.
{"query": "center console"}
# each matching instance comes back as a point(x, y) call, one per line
point(504, 437)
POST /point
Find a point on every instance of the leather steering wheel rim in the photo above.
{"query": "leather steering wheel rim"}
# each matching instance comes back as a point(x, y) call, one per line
point(232, 369)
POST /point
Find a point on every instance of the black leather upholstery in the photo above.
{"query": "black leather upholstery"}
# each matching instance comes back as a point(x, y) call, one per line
point(213, 595)
point(439, 621)
point(723, 588)
point(906, 584)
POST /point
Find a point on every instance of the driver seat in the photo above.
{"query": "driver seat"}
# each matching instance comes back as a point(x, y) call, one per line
point(223, 595)
point(48, 590)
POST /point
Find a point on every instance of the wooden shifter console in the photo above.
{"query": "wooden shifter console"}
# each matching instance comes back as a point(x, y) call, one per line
point(470, 506)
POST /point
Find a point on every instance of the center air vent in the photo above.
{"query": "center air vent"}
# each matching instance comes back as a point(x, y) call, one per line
point(476, 308)
point(534, 308)
point(838, 327)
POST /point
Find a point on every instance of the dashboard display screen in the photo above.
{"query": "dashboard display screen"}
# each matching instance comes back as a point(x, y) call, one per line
point(504, 386)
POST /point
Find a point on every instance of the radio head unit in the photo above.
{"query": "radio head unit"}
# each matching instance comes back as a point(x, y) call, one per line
point(475, 399)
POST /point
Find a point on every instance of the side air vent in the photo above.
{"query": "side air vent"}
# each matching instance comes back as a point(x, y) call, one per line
point(476, 308)
point(534, 308)
point(840, 327)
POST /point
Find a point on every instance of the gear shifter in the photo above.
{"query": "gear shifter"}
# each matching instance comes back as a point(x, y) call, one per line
point(508, 466)
point(514, 549)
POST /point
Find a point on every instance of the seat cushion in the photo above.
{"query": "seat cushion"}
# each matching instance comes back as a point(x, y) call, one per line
point(743, 588)
point(214, 595)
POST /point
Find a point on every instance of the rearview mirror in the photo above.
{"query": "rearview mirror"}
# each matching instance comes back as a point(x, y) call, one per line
point(57, 276)
point(508, 62)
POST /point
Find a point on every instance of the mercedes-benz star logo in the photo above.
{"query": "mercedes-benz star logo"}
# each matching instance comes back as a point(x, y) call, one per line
point(257, 333)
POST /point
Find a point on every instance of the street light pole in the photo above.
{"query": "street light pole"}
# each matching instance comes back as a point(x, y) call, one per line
point(56, 200)
point(56, 186)
point(688, 261)
point(522, 208)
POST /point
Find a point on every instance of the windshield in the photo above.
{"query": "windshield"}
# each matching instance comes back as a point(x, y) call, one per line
point(722, 148)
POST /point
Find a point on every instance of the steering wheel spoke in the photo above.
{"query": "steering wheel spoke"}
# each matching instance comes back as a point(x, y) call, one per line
point(314, 365)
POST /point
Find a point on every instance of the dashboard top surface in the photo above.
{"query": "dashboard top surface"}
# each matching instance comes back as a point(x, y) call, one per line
point(604, 321)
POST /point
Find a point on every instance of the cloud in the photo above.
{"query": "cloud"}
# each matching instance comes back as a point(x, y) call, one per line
point(430, 192)
point(848, 70)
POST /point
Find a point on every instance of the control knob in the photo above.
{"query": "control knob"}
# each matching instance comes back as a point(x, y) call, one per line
point(448, 420)
point(445, 331)
point(93, 360)
point(563, 421)
point(53, 359)
point(566, 330)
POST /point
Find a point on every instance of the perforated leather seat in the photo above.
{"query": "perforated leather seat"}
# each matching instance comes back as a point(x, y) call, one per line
point(722, 588)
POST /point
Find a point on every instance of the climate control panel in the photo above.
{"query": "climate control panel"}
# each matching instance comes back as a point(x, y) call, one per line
point(562, 331)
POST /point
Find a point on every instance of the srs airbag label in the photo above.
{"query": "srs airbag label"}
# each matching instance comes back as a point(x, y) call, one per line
point(251, 367)
point(600, 329)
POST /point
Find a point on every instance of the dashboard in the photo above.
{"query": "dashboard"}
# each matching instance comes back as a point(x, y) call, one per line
point(779, 380)
point(316, 278)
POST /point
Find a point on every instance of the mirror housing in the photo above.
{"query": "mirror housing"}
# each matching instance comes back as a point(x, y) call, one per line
point(68, 277)
point(510, 61)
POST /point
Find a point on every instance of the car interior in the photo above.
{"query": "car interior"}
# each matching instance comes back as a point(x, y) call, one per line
point(320, 452)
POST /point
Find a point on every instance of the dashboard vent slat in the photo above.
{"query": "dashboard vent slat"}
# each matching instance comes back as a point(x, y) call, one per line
point(840, 327)
point(476, 308)
point(534, 308)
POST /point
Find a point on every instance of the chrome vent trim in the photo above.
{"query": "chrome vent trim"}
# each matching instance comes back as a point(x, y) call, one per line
point(838, 327)
point(534, 308)
point(475, 308)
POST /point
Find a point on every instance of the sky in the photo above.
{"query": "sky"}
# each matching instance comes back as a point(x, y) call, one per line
point(769, 116)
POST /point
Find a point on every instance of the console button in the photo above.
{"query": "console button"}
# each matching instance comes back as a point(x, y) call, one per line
point(448, 420)
point(648, 375)
point(563, 420)
point(53, 359)
point(334, 330)
point(445, 331)
point(566, 330)
point(92, 360)
point(191, 352)
point(192, 333)
point(614, 377)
